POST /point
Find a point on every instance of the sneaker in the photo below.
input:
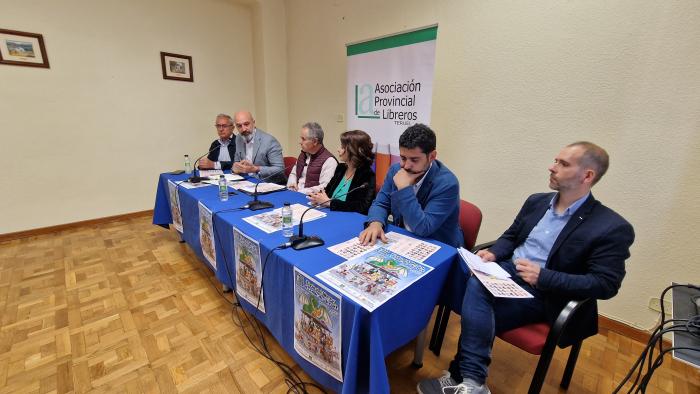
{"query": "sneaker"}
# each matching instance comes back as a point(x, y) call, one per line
point(468, 386)
point(435, 386)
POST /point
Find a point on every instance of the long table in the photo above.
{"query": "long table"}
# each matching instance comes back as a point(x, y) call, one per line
point(367, 338)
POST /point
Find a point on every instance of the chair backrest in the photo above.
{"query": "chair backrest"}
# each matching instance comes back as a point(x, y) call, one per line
point(470, 222)
point(288, 162)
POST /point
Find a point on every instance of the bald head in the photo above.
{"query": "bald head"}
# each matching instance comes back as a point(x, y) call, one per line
point(245, 124)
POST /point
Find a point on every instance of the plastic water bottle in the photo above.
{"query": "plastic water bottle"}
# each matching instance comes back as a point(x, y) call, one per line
point(188, 165)
point(287, 226)
point(223, 189)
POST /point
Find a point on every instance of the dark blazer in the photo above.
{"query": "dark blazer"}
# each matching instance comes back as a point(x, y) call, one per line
point(214, 154)
point(432, 213)
point(359, 200)
point(587, 259)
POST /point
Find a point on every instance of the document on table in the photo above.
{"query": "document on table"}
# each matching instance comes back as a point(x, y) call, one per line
point(404, 245)
point(270, 222)
point(207, 173)
point(188, 185)
point(231, 179)
point(493, 277)
point(249, 187)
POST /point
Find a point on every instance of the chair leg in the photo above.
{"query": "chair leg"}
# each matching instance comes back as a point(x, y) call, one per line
point(570, 365)
point(441, 319)
point(541, 371)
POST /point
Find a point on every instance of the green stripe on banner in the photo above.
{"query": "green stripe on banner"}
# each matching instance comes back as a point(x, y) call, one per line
point(398, 40)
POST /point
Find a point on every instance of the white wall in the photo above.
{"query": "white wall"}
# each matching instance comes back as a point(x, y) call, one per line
point(515, 81)
point(88, 137)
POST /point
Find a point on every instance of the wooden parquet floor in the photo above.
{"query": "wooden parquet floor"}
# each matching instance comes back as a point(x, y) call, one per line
point(123, 307)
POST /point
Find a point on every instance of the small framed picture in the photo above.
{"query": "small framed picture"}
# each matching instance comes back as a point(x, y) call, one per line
point(22, 49)
point(177, 67)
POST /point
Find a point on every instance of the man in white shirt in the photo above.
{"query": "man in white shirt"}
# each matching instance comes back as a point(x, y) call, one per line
point(315, 165)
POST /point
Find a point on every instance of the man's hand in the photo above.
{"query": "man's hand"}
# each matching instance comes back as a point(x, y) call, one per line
point(486, 255)
point(403, 178)
point(292, 187)
point(373, 232)
point(528, 271)
point(245, 167)
point(205, 164)
point(319, 197)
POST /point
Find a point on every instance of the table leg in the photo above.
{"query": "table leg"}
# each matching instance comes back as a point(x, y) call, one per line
point(420, 349)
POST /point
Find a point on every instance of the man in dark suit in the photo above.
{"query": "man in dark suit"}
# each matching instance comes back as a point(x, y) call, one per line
point(421, 193)
point(561, 246)
point(252, 152)
point(220, 159)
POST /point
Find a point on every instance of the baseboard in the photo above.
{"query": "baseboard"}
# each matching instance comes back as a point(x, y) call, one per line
point(607, 324)
point(52, 229)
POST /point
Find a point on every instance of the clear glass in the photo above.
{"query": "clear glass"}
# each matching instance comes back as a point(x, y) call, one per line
point(223, 189)
point(188, 165)
point(287, 223)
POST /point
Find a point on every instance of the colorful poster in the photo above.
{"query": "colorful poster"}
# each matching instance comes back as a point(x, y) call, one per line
point(175, 206)
point(389, 88)
point(317, 324)
point(375, 277)
point(206, 235)
point(248, 269)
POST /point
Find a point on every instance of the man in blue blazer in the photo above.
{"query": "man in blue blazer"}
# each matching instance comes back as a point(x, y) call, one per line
point(561, 246)
point(420, 193)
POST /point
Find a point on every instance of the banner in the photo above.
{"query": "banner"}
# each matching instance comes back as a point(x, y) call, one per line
point(390, 87)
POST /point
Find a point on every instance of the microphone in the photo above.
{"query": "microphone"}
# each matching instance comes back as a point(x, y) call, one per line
point(301, 241)
point(197, 179)
point(255, 204)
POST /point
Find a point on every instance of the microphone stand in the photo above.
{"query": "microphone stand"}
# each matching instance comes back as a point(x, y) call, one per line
point(255, 204)
point(301, 241)
point(197, 179)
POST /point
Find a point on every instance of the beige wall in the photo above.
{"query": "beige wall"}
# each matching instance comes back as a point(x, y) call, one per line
point(515, 81)
point(88, 137)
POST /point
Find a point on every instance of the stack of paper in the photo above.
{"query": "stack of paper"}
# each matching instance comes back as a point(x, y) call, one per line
point(493, 277)
point(249, 187)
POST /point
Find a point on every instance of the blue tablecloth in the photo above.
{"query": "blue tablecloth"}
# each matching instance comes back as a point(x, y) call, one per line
point(367, 338)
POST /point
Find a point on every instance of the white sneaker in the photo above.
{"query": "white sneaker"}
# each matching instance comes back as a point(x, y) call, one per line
point(468, 386)
point(435, 385)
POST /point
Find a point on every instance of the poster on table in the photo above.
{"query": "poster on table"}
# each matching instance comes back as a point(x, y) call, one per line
point(175, 206)
point(390, 87)
point(317, 324)
point(248, 268)
point(374, 277)
point(206, 235)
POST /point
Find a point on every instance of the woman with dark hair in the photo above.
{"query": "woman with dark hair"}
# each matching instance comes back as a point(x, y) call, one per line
point(356, 151)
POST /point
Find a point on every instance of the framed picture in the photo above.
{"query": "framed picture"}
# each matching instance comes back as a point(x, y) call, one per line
point(177, 67)
point(22, 49)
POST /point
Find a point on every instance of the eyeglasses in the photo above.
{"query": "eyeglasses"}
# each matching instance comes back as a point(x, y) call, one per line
point(239, 125)
point(222, 126)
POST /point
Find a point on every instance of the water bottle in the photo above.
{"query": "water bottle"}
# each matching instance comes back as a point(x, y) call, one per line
point(287, 226)
point(188, 165)
point(223, 189)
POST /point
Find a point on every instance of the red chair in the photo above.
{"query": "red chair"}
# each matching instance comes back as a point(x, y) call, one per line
point(470, 223)
point(539, 339)
point(288, 163)
point(542, 340)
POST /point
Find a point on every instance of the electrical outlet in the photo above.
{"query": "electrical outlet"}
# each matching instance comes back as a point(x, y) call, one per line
point(655, 305)
point(340, 118)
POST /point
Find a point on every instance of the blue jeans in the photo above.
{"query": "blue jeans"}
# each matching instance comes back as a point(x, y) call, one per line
point(484, 316)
